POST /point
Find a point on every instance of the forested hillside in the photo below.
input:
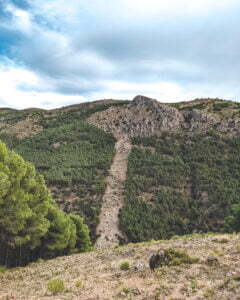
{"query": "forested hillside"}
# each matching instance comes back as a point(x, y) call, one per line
point(183, 170)
point(73, 156)
point(178, 184)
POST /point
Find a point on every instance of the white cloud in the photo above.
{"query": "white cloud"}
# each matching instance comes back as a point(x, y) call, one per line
point(170, 50)
point(175, 7)
point(162, 91)
point(14, 79)
point(21, 19)
point(21, 88)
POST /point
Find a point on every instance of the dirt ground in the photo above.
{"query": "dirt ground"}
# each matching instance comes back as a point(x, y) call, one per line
point(98, 274)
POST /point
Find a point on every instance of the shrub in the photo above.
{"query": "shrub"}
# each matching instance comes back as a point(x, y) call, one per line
point(124, 266)
point(79, 284)
point(176, 257)
point(3, 269)
point(170, 257)
point(56, 286)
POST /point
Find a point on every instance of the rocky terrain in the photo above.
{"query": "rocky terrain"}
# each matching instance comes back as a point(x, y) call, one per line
point(148, 117)
point(124, 273)
point(108, 228)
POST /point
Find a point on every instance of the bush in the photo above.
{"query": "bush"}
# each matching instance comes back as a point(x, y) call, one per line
point(3, 269)
point(124, 266)
point(56, 286)
point(170, 257)
point(79, 284)
point(175, 258)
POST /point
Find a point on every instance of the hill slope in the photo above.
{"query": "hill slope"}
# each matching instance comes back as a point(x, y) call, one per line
point(183, 169)
point(98, 275)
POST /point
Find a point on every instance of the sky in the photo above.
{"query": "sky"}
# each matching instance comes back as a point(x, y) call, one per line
point(55, 52)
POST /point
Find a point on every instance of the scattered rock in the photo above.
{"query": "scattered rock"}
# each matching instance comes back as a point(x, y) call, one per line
point(212, 261)
point(139, 267)
point(136, 292)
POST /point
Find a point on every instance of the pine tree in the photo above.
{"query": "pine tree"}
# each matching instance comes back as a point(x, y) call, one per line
point(31, 224)
point(83, 242)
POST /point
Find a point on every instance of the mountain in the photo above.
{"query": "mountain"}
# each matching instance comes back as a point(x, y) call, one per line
point(136, 170)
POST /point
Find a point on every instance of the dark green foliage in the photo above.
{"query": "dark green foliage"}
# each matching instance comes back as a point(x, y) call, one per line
point(83, 242)
point(220, 105)
point(31, 224)
point(75, 159)
point(199, 106)
point(69, 154)
point(187, 184)
point(11, 140)
point(11, 116)
point(170, 257)
point(61, 117)
point(124, 266)
point(232, 222)
point(73, 156)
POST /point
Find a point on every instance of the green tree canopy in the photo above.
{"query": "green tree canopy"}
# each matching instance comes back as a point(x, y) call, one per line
point(31, 224)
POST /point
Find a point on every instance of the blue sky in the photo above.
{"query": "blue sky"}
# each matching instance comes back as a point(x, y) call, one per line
point(57, 52)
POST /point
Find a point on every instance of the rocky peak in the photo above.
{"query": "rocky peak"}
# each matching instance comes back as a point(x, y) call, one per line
point(142, 100)
point(142, 117)
point(146, 117)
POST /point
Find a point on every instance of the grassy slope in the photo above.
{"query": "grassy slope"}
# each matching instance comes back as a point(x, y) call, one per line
point(97, 275)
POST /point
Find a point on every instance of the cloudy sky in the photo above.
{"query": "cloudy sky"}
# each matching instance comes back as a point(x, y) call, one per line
point(57, 52)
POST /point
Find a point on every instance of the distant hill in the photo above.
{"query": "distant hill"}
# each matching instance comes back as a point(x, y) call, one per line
point(183, 171)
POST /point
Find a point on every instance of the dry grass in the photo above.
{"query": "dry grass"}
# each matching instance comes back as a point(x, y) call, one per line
point(97, 275)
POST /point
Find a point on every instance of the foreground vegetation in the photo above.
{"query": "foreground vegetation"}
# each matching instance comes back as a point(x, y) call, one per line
point(178, 184)
point(31, 224)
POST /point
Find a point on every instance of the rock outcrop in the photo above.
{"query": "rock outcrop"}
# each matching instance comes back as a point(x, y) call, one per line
point(147, 117)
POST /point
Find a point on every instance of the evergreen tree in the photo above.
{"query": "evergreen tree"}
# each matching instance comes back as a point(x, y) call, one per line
point(83, 242)
point(31, 225)
point(232, 222)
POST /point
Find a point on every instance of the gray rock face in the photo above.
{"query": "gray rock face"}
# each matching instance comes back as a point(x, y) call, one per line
point(142, 117)
point(147, 117)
